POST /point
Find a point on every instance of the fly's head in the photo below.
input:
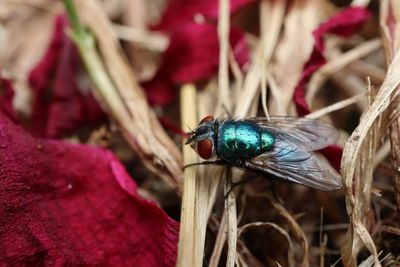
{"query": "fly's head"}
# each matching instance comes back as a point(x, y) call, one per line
point(202, 138)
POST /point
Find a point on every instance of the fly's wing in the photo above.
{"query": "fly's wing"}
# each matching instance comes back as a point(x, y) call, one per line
point(315, 133)
point(293, 161)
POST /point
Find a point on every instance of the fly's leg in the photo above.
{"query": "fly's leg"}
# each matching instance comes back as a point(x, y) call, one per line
point(234, 185)
point(216, 162)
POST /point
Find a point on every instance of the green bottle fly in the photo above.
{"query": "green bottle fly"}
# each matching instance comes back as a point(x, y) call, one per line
point(281, 147)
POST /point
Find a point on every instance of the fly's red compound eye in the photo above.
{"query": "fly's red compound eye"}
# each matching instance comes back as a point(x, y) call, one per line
point(207, 119)
point(204, 148)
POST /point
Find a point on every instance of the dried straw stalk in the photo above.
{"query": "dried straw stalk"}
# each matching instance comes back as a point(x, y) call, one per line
point(358, 158)
point(196, 207)
point(391, 39)
point(291, 54)
point(357, 166)
point(190, 251)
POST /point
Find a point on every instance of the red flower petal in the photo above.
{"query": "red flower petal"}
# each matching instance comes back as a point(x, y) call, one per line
point(193, 55)
point(334, 155)
point(68, 204)
point(159, 90)
point(194, 52)
point(59, 105)
point(6, 98)
point(182, 11)
point(345, 23)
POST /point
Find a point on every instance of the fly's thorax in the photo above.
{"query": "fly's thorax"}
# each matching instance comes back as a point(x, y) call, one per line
point(242, 139)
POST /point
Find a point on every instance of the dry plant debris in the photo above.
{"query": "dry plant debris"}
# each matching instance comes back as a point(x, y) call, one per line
point(132, 77)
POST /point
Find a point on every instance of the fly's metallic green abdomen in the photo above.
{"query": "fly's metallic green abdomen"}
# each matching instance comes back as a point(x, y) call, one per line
point(242, 139)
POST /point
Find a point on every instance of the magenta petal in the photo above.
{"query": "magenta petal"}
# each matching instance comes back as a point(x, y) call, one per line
point(59, 105)
point(65, 204)
point(334, 155)
point(6, 98)
point(193, 55)
point(159, 90)
point(316, 61)
point(194, 52)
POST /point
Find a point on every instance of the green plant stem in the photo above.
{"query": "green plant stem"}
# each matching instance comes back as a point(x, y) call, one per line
point(85, 42)
point(73, 18)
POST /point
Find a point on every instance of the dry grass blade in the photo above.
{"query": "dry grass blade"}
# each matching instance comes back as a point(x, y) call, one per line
point(208, 178)
point(369, 262)
point(392, 230)
point(223, 35)
point(230, 210)
point(291, 55)
point(197, 207)
point(190, 247)
point(365, 69)
point(199, 194)
point(391, 39)
point(135, 118)
point(363, 3)
point(48, 7)
point(395, 142)
point(274, 12)
point(219, 242)
point(200, 187)
point(338, 105)
point(149, 40)
point(351, 84)
point(357, 164)
point(143, 44)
